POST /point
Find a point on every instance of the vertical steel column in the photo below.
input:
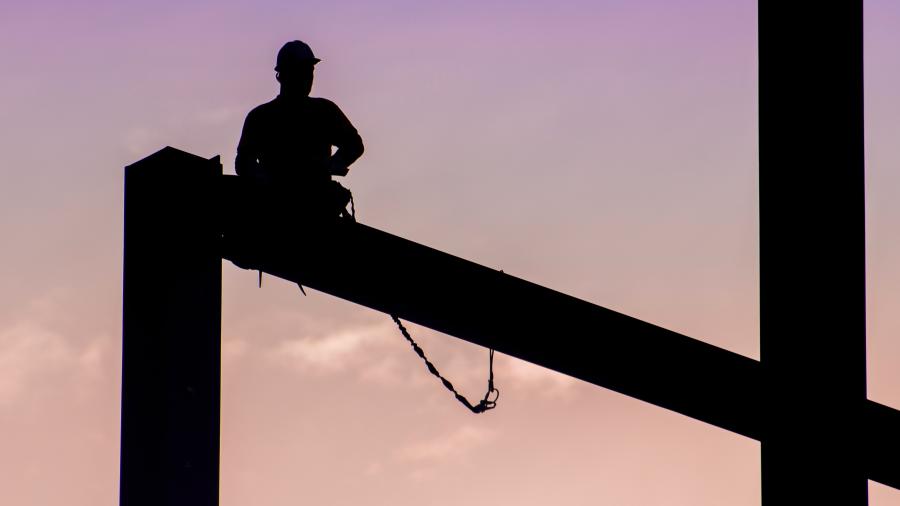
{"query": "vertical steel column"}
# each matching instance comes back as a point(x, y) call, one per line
point(171, 332)
point(812, 251)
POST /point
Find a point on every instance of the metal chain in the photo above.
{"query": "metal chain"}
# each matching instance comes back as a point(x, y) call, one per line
point(485, 404)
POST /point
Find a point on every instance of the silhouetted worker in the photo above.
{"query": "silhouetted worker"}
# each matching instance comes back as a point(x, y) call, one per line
point(287, 143)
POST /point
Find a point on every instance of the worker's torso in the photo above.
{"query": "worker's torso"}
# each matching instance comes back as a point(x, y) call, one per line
point(294, 139)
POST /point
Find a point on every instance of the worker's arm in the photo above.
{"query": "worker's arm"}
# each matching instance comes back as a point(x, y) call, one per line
point(347, 140)
point(247, 161)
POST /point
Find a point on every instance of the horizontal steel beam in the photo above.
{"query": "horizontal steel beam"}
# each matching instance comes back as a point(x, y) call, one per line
point(518, 318)
point(513, 316)
point(882, 444)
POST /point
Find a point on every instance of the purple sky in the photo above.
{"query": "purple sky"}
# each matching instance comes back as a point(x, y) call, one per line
point(606, 149)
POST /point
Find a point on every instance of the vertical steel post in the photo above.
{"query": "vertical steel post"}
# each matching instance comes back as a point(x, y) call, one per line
point(171, 332)
point(812, 251)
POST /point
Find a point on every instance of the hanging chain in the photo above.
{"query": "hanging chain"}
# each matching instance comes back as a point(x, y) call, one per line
point(485, 404)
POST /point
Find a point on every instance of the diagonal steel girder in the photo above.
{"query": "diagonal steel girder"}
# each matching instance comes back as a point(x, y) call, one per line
point(513, 316)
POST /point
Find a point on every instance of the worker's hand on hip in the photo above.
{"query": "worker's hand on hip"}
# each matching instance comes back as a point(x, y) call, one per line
point(337, 168)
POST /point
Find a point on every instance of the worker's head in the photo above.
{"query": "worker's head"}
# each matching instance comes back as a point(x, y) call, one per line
point(294, 68)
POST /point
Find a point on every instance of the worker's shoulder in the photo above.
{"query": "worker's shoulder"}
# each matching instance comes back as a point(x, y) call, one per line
point(323, 104)
point(317, 104)
point(264, 109)
point(276, 112)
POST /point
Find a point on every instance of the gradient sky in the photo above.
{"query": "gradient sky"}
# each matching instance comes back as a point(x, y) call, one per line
point(606, 149)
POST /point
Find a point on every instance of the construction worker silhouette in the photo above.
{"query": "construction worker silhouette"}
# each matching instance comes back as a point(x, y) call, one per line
point(286, 144)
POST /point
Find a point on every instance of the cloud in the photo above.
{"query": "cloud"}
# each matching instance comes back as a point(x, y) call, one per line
point(535, 379)
point(452, 446)
point(387, 371)
point(31, 355)
point(331, 352)
point(233, 349)
point(376, 354)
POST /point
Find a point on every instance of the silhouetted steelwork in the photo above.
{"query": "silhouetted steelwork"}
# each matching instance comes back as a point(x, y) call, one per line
point(812, 252)
point(548, 328)
point(171, 332)
point(387, 273)
point(805, 401)
point(881, 444)
point(487, 307)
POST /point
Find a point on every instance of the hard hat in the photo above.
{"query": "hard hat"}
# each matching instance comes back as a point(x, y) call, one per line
point(295, 53)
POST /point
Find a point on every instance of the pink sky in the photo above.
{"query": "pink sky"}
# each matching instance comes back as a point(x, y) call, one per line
point(606, 149)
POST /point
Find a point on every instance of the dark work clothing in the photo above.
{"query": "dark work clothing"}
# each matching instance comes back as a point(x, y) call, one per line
point(289, 141)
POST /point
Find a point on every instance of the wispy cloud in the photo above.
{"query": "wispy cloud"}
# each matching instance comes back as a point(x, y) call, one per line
point(421, 460)
point(535, 379)
point(233, 349)
point(331, 352)
point(444, 447)
point(30, 355)
point(378, 355)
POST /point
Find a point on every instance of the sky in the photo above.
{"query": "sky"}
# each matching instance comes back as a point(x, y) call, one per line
point(606, 149)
